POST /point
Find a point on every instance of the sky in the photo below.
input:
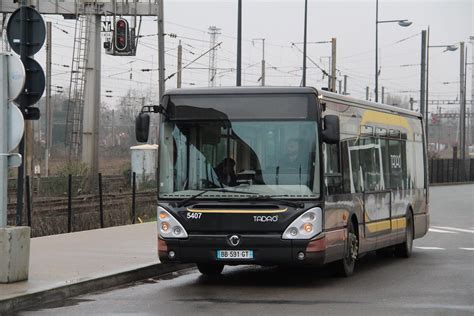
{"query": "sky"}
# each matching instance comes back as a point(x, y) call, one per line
point(280, 22)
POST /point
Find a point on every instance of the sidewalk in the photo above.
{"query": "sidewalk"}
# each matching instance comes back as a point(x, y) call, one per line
point(71, 264)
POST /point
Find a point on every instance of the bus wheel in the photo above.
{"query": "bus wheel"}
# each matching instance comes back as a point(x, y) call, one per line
point(345, 266)
point(404, 249)
point(210, 269)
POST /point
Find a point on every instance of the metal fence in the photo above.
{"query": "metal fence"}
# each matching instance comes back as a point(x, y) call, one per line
point(450, 170)
point(62, 204)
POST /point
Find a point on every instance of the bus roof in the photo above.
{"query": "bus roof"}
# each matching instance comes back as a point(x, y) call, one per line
point(296, 90)
point(326, 95)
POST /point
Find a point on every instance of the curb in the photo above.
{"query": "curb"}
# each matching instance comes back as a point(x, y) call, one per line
point(14, 304)
point(442, 184)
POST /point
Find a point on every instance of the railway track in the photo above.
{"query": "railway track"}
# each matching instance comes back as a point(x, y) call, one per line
point(108, 182)
point(61, 203)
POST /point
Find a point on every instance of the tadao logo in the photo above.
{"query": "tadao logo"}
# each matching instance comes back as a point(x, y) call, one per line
point(265, 219)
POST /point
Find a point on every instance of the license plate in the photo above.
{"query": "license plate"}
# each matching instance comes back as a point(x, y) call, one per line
point(234, 254)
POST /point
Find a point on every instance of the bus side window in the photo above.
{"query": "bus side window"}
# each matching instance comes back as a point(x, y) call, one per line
point(396, 176)
point(419, 169)
point(346, 172)
point(332, 168)
point(385, 162)
point(369, 159)
point(356, 174)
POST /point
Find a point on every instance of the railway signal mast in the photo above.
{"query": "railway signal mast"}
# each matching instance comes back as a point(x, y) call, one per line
point(86, 105)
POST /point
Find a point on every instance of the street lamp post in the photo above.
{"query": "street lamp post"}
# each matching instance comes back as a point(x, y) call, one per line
point(239, 44)
point(447, 48)
point(403, 23)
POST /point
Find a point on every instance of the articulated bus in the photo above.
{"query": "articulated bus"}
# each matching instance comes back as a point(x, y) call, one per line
point(285, 176)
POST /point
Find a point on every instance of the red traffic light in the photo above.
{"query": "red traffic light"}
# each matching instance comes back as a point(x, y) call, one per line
point(121, 35)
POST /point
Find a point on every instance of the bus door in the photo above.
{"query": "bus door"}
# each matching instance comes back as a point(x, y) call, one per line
point(366, 168)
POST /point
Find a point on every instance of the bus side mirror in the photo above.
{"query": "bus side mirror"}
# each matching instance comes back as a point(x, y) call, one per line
point(331, 129)
point(142, 127)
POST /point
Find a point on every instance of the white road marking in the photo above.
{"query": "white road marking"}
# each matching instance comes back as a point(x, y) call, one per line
point(470, 249)
point(431, 248)
point(455, 229)
point(434, 230)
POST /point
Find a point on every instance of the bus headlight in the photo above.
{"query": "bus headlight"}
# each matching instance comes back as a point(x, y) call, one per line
point(306, 226)
point(168, 226)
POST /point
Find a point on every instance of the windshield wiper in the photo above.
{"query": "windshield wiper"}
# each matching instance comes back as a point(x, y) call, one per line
point(261, 197)
point(189, 199)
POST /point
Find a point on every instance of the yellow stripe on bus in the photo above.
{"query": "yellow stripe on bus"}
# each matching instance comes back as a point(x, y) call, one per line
point(397, 223)
point(386, 119)
point(236, 211)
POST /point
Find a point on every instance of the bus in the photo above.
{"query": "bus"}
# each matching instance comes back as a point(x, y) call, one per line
point(285, 176)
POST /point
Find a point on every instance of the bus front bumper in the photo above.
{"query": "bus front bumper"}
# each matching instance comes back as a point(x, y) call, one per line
point(267, 250)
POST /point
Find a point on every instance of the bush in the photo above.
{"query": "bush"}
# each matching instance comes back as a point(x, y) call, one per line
point(74, 168)
point(79, 171)
point(127, 172)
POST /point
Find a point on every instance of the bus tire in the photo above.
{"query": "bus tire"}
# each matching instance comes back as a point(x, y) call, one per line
point(210, 269)
point(345, 266)
point(404, 249)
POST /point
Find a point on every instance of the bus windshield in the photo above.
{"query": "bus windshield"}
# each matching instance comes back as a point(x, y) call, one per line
point(277, 158)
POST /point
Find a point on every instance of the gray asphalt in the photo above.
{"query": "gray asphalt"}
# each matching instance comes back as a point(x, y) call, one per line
point(437, 280)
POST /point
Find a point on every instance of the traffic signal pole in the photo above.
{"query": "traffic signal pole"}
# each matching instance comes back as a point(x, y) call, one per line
point(48, 129)
point(21, 148)
point(3, 142)
point(14, 241)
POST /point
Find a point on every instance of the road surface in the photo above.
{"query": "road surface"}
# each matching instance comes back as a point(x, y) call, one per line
point(438, 279)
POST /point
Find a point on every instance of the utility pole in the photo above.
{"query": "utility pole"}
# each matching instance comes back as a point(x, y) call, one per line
point(213, 32)
point(303, 82)
point(329, 72)
point(90, 123)
point(471, 39)
point(179, 65)
point(262, 78)
point(423, 109)
point(345, 84)
point(263, 62)
point(376, 50)
point(427, 85)
point(383, 95)
point(462, 99)
point(438, 145)
point(161, 50)
point(48, 129)
point(239, 44)
point(367, 93)
point(333, 64)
